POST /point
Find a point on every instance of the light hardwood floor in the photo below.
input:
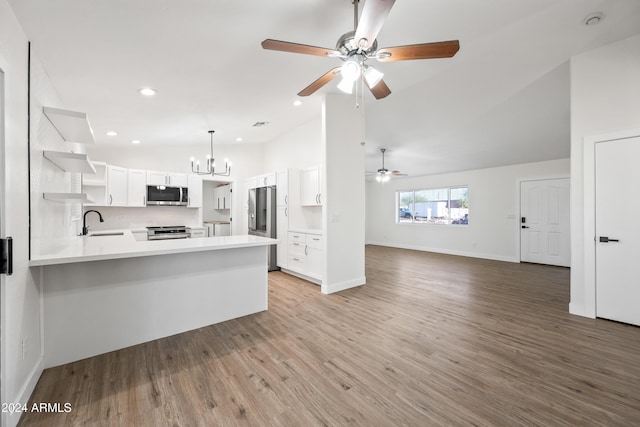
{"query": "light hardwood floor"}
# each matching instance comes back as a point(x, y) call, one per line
point(431, 340)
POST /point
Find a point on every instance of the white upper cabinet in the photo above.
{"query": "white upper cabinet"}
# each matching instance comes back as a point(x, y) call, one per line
point(194, 184)
point(180, 180)
point(136, 187)
point(282, 188)
point(167, 178)
point(156, 178)
point(310, 187)
point(266, 180)
point(117, 191)
point(222, 197)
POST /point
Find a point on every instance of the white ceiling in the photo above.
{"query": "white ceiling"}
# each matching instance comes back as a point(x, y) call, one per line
point(503, 99)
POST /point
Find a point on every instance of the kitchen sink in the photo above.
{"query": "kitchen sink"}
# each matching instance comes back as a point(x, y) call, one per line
point(113, 233)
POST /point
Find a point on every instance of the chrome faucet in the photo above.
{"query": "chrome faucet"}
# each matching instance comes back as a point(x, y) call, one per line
point(85, 229)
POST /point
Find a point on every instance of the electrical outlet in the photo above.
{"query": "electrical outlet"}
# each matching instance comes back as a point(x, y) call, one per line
point(25, 348)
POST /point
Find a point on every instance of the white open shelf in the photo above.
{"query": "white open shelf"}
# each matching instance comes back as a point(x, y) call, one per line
point(70, 162)
point(98, 178)
point(71, 125)
point(67, 197)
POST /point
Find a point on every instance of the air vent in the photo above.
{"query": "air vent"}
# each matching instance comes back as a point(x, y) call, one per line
point(260, 124)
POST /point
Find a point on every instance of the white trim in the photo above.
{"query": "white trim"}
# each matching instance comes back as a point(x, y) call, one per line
point(337, 287)
point(589, 211)
point(301, 276)
point(26, 391)
point(446, 251)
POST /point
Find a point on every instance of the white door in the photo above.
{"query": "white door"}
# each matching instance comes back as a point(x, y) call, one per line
point(544, 222)
point(3, 416)
point(617, 236)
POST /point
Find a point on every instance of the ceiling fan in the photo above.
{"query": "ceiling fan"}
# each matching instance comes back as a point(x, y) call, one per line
point(354, 48)
point(383, 174)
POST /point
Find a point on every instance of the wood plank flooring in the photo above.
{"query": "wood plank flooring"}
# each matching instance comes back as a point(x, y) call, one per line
point(431, 340)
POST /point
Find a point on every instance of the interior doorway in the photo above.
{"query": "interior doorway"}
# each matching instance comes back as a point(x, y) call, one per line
point(544, 222)
point(617, 237)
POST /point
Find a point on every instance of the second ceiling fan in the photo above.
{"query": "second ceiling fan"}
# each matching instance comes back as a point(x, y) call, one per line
point(354, 48)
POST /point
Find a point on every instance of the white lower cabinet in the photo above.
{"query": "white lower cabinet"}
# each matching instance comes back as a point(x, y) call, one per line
point(197, 232)
point(305, 254)
point(282, 231)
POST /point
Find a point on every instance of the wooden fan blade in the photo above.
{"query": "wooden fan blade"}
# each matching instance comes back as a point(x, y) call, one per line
point(298, 48)
point(397, 173)
point(373, 16)
point(381, 90)
point(321, 81)
point(419, 51)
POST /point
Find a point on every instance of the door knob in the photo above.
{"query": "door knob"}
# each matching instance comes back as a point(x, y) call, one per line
point(525, 226)
point(605, 239)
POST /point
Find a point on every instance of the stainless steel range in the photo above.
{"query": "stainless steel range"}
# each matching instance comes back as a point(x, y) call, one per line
point(168, 232)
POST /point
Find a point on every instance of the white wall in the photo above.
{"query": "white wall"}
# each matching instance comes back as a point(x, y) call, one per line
point(493, 230)
point(20, 296)
point(605, 99)
point(343, 190)
point(301, 147)
point(50, 221)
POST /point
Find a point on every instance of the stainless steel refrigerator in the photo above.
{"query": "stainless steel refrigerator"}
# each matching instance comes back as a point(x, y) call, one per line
point(262, 218)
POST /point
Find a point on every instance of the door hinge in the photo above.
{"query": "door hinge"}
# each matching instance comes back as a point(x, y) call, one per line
point(6, 256)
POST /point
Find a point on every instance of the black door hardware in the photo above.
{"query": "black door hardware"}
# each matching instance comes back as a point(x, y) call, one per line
point(605, 239)
point(6, 256)
point(525, 226)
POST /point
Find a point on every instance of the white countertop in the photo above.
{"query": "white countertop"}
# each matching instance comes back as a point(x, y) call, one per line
point(306, 230)
point(97, 248)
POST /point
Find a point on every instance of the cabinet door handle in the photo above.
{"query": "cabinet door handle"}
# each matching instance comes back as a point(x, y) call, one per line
point(218, 202)
point(305, 249)
point(296, 259)
point(286, 199)
point(286, 211)
point(315, 238)
point(224, 203)
point(144, 200)
point(319, 198)
point(110, 199)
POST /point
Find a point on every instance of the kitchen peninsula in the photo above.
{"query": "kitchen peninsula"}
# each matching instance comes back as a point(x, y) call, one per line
point(108, 291)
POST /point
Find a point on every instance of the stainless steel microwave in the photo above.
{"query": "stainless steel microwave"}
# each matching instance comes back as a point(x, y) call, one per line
point(164, 195)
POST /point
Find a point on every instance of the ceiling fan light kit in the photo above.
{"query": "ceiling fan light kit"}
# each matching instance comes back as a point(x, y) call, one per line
point(383, 174)
point(357, 46)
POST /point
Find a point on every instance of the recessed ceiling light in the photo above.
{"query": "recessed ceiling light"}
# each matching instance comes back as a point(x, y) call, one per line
point(593, 19)
point(147, 91)
point(238, 139)
point(297, 103)
point(135, 141)
point(112, 133)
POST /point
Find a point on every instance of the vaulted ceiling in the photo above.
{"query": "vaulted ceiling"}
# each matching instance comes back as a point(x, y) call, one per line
point(503, 99)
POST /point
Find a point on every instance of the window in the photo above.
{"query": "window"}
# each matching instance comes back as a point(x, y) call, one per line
point(434, 206)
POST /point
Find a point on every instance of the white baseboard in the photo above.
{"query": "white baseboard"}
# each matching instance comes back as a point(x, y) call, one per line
point(337, 287)
point(26, 392)
point(447, 251)
point(579, 310)
point(302, 276)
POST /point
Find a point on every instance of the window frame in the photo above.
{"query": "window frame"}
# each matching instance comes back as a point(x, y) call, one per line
point(412, 221)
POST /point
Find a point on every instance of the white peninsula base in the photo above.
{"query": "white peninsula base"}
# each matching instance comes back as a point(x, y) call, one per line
point(100, 306)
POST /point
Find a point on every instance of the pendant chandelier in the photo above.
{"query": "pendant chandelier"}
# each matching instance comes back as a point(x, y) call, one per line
point(211, 163)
